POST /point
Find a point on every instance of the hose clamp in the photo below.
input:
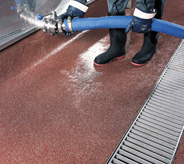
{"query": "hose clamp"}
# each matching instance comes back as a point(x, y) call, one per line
point(69, 21)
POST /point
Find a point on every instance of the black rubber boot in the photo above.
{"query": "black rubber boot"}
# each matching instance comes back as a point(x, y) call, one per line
point(116, 50)
point(148, 49)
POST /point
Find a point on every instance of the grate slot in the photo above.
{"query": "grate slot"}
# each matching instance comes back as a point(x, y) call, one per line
point(116, 161)
point(170, 94)
point(173, 80)
point(151, 143)
point(157, 126)
point(154, 135)
point(162, 113)
point(156, 130)
point(157, 121)
point(171, 84)
point(166, 102)
point(162, 119)
point(169, 98)
point(164, 106)
point(174, 72)
point(150, 147)
point(176, 110)
point(147, 152)
point(166, 90)
point(173, 87)
point(174, 75)
point(132, 156)
point(122, 157)
point(145, 158)
point(153, 139)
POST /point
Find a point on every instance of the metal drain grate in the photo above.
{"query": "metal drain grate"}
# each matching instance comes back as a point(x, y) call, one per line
point(154, 136)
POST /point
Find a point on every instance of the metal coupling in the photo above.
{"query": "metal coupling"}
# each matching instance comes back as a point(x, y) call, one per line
point(61, 26)
point(50, 24)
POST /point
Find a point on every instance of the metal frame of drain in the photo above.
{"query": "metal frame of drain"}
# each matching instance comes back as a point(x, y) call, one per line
point(154, 135)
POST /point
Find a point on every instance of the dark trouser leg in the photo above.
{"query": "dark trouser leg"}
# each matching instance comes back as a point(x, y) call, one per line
point(117, 6)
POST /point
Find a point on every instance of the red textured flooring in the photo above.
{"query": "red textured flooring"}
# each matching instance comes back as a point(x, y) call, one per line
point(56, 107)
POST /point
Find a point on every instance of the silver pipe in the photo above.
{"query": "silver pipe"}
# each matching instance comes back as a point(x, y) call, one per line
point(48, 24)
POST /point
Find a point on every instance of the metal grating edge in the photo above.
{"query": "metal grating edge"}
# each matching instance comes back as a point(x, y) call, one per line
point(171, 66)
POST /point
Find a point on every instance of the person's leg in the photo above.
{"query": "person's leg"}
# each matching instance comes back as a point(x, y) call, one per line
point(117, 36)
point(150, 40)
point(117, 6)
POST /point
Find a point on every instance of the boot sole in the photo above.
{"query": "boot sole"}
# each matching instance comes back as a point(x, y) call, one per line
point(138, 65)
point(118, 58)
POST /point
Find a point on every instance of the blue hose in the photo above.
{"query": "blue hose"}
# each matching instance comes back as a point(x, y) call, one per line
point(81, 24)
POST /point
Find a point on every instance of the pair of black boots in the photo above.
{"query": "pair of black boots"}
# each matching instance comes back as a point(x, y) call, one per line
point(117, 48)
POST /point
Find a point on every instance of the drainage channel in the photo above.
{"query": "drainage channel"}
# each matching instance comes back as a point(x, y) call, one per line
point(155, 134)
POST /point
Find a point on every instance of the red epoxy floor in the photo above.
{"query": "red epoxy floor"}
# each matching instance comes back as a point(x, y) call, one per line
point(56, 107)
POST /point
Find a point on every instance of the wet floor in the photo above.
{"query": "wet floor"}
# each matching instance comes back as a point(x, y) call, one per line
point(57, 107)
